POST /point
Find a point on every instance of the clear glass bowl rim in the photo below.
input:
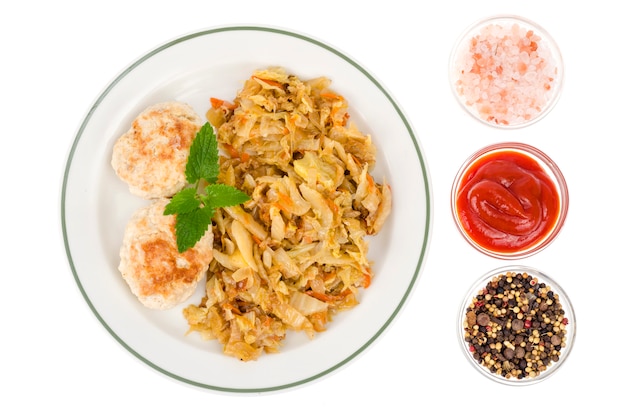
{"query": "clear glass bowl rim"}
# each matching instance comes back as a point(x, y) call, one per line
point(526, 23)
point(563, 299)
point(547, 163)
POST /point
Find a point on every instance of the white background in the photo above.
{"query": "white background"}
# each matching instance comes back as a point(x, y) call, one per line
point(58, 56)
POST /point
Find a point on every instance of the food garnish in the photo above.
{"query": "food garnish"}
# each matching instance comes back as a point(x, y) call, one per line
point(195, 205)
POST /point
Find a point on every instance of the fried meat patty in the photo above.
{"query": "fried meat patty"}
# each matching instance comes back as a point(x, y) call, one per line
point(151, 156)
point(150, 263)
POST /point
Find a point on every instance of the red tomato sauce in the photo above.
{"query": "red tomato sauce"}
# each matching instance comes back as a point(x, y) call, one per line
point(507, 202)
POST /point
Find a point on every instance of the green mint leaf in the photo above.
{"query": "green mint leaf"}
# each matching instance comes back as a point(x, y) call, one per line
point(221, 195)
point(191, 226)
point(203, 160)
point(185, 201)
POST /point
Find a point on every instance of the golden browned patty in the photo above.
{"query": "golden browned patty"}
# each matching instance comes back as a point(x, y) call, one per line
point(150, 263)
point(151, 156)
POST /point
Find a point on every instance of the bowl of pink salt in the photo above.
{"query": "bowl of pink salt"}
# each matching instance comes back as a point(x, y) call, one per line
point(506, 71)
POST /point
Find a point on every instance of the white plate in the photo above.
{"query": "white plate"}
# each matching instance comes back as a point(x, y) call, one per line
point(96, 206)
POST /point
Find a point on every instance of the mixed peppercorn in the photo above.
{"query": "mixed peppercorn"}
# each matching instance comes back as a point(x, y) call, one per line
point(515, 326)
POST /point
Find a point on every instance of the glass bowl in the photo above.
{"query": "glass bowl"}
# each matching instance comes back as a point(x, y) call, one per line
point(492, 206)
point(506, 71)
point(516, 339)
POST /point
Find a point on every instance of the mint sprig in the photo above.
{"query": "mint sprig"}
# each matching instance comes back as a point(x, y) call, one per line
point(194, 205)
point(203, 160)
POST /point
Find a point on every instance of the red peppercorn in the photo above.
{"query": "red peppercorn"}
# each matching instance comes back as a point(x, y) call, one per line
point(527, 324)
point(472, 348)
point(564, 321)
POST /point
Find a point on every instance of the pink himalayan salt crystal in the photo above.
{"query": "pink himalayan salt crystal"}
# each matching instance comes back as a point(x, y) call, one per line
point(506, 74)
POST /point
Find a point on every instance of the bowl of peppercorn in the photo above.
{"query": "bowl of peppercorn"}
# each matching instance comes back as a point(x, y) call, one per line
point(516, 325)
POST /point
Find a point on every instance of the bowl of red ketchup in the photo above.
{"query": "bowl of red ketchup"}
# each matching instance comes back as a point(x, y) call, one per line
point(509, 200)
